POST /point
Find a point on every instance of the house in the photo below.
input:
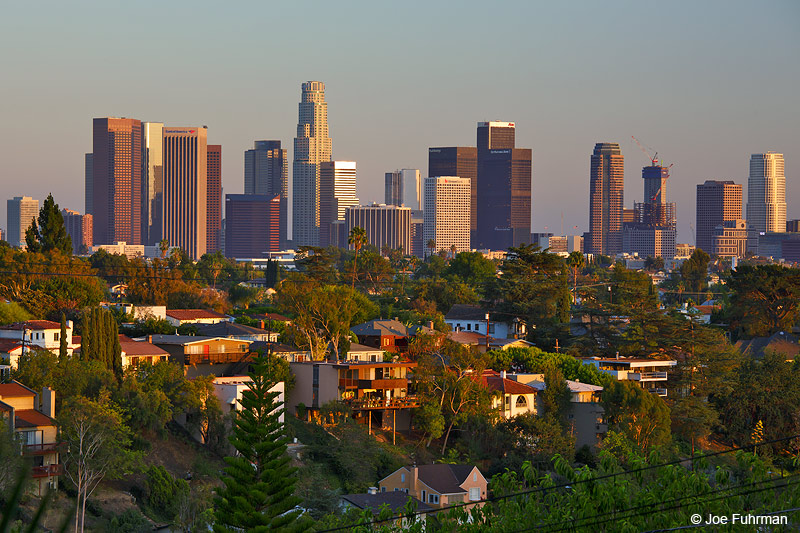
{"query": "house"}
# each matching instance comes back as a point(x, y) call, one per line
point(135, 353)
point(360, 352)
point(179, 317)
point(203, 356)
point(786, 344)
point(388, 335)
point(464, 317)
point(232, 330)
point(586, 417)
point(289, 353)
point(228, 391)
point(651, 374)
point(377, 392)
point(479, 341)
point(438, 485)
point(36, 429)
point(396, 501)
point(42, 333)
point(10, 352)
point(510, 397)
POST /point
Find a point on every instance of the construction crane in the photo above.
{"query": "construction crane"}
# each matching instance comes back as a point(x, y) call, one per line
point(653, 161)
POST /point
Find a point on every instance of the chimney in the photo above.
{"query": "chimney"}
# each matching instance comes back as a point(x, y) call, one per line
point(150, 339)
point(414, 476)
point(262, 324)
point(503, 374)
point(49, 402)
point(372, 490)
point(430, 324)
point(617, 355)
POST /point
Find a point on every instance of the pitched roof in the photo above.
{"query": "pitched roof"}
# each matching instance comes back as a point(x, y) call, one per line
point(9, 345)
point(381, 327)
point(139, 348)
point(444, 479)
point(14, 389)
point(35, 325)
point(275, 317)
point(396, 500)
point(355, 347)
point(494, 382)
point(782, 342)
point(190, 339)
point(31, 418)
point(194, 314)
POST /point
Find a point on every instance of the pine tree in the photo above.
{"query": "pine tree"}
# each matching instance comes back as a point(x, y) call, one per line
point(50, 234)
point(259, 481)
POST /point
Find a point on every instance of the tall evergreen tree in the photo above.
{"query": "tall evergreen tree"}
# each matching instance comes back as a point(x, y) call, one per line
point(259, 481)
point(62, 346)
point(100, 340)
point(50, 234)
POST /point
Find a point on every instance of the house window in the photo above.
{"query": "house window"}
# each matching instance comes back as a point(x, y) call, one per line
point(423, 495)
point(469, 327)
point(433, 498)
point(402, 478)
point(474, 494)
point(383, 489)
point(474, 476)
point(476, 327)
point(521, 402)
point(491, 329)
point(56, 336)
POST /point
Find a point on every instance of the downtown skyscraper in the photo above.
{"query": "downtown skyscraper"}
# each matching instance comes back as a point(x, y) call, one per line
point(461, 161)
point(266, 172)
point(213, 197)
point(502, 195)
point(337, 192)
point(186, 189)
point(606, 188)
point(116, 180)
point(312, 146)
point(718, 202)
point(152, 181)
point(766, 194)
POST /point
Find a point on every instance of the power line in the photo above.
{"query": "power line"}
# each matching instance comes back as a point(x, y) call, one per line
point(572, 483)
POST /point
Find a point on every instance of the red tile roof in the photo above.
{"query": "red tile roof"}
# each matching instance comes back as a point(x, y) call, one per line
point(193, 314)
point(138, 348)
point(31, 418)
point(35, 325)
point(492, 380)
point(10, 345)
point(14, 390)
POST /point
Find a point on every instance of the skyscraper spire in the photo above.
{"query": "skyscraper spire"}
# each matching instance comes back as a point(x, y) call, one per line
point(312, 146)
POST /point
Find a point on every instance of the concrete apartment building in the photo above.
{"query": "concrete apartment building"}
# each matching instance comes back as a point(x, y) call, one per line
point(651, 374)
point(385, 225)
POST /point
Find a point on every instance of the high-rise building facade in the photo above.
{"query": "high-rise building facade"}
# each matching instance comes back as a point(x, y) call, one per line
point(266, 172)
point(766, 194)
point(117, 180)
point(337, 192)
point(213, 197)
point(654, 230)
point(393, 188)
point(717, 202)
point(607, 180)
point(503, 189)
point(20, 213)
point(385, 225)
point(793, 226)
point(152, 180)
point(88, 175)
point(729, 239)
point(404, 187)
point(79, 229)
point(312, 146)
point(461, 161)
point(185, 189)
point(252, 225)
point(446, 214)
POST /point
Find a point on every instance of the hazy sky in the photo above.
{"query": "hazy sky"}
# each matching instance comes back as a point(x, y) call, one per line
point(704, 83)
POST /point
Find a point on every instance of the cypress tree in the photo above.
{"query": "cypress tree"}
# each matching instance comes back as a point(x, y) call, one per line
point(62, 346)
point(116, 351)
point(86, 335)
point(258, 482)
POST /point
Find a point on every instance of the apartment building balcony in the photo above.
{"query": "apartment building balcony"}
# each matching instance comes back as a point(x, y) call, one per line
point(212, 358)
point(406, 402)
point(47, 471)
point(44, 449)
point(648, 376)
point(658, 391)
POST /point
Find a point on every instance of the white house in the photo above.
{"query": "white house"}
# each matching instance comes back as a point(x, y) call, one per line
point(472, 318)
point(41, 333)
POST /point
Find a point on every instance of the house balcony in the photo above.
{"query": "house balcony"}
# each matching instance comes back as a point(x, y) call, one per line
point(385, 384)
point(44, 449)
point(47, 471)
point(214, 358)
point(406, 402)
point(648, 376)
point(658, 391)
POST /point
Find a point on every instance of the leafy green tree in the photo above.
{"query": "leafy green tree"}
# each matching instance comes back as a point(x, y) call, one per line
point(357, 239)
point(259, 481)
point(575, 261)
point(11, 312)
point(319, 264)
point(693, 418)
point(163, 491)
point(471, 268)
point(694, 272)
point(97, 440)
point(271, 274)
point(49, 234)
point(642, 417)
point(765, 299)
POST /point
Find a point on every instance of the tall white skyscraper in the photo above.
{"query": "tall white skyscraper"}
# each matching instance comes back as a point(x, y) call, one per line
point(21, 210)
point(312, 146)
point(153, 180)
point(766, 194)
point(446, 214)
point(337, 192)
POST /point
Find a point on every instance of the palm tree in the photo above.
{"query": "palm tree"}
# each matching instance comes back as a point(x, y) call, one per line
point(431, 244)
point(453, 251)
point(357, 239)
point(163, 245)
point(576, 262)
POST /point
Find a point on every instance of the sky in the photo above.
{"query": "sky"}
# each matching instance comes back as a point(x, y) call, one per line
point(705, 84)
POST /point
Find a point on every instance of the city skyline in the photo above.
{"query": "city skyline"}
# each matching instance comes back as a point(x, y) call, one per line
point(707, 113)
